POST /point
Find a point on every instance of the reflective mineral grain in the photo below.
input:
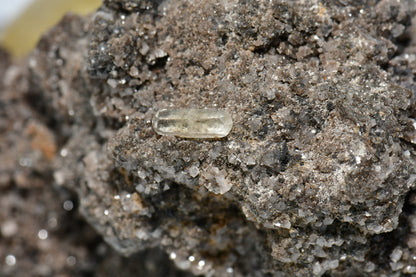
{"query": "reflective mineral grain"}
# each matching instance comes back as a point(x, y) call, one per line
point(193, 123)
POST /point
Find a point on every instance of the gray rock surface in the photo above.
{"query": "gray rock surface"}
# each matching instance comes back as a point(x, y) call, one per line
point(317, 173)
point(41, 232)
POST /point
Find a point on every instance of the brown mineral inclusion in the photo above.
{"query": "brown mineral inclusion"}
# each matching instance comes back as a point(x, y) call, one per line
point(193, 123)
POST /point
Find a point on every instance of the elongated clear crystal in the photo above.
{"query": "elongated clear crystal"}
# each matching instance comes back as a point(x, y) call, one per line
point(193, 123)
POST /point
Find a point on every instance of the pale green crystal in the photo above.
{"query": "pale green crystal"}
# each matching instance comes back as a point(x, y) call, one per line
point(193, 123)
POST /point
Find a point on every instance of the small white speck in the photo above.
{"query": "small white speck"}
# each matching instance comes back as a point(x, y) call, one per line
point(191, 258)
point(358, 159)
point(10, 260)
point(71, 112)
point(201, 263)
point(230, 270)
point(63, 152)
point(172, 255)
point(71, 260)
point(128, 195)
point(117, 197)
point(9, 228)
point(68, 205)
point(127, 117)
point(106, 212)
point(42, 234)
point(313, 131)
point(122, 81)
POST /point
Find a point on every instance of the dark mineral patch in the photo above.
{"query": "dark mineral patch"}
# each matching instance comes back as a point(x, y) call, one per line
point(316, 177)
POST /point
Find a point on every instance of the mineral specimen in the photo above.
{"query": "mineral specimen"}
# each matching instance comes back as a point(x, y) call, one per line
point(193, 123)
point(317, 176)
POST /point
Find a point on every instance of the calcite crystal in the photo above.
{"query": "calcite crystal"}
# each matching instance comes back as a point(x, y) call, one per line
point(317, 176)
point(193, 123)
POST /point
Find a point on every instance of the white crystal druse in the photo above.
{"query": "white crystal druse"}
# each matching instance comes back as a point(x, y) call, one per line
point(193, 123)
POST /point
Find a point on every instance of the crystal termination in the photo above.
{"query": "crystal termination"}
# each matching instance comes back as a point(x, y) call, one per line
point(193, 123)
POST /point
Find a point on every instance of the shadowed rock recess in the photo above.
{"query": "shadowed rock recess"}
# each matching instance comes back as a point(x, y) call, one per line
point(315, 178)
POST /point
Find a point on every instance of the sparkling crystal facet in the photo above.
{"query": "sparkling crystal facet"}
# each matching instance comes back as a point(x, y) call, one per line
point(193, 123)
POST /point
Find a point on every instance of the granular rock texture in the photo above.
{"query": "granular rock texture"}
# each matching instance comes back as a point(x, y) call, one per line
point(41, 233)
point(317, 174)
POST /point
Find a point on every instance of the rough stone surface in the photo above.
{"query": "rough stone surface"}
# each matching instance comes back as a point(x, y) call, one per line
point(316, 176)
point(41, 232)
